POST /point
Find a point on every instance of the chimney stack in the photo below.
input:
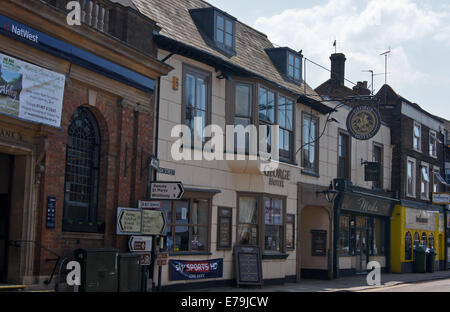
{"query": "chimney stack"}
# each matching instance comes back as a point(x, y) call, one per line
point(361, 88)
point(338, 68)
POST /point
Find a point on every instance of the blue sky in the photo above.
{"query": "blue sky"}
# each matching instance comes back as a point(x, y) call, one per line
point(417, 32)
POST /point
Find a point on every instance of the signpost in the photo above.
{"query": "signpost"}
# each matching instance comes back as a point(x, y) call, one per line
point(129, 221)
point(153, 222)
point(140, 243)
point(166, 190)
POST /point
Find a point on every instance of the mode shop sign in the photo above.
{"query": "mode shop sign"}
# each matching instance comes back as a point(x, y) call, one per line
point(30, 92)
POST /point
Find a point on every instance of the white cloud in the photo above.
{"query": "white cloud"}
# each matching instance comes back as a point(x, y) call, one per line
point(362, 33)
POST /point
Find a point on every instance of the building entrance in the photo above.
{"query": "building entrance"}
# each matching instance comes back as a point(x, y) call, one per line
point(5, 204)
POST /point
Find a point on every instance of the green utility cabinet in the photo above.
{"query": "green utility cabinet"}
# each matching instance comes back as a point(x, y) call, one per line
point(99, 269)
point(130, 272)
point(420, 265)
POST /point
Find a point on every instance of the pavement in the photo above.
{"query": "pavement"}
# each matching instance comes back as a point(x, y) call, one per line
point(343, 284)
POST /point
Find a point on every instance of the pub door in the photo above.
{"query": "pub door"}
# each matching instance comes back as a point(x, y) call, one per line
point(5, 195)
point(362, 245)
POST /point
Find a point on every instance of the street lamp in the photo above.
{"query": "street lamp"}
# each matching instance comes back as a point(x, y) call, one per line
point(330, 194)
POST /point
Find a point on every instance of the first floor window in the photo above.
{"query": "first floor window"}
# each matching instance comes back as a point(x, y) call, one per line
point(410, 179)
point(187, 228)
point(309, 142)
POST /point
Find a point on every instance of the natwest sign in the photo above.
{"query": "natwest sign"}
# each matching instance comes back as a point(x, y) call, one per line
point(19, 30)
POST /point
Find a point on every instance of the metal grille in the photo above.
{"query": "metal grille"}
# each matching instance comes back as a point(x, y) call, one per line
point(82, 164)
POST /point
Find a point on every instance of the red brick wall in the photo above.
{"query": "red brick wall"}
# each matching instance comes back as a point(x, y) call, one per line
point(126, 135)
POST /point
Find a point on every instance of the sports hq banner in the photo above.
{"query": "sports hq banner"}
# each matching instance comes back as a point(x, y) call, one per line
point(30, 92)
point(193, 270)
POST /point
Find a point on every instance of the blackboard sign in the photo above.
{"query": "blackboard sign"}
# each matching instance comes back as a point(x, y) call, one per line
point(248, 265)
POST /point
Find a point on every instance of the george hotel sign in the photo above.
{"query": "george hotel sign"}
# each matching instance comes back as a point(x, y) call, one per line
point(366, 205)
point(277, 177)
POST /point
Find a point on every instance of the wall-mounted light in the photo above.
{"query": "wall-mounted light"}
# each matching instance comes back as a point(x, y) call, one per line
point(330, 193)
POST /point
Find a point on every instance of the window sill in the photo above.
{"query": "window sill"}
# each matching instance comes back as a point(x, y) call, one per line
point(310, 173)
point(190, 253)
point(274, 256)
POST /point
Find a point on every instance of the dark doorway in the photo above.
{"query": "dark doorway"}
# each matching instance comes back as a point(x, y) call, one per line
point(6, 165)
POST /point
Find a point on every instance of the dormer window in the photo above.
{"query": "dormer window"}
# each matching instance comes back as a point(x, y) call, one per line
point(288, 62)
point(217, 28)
point(224, 31)
point(294, 67)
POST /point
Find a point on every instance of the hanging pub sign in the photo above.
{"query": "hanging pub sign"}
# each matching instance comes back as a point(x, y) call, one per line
point(194, 270)
point(363, 122)
point(30, 92)
point(372, 171)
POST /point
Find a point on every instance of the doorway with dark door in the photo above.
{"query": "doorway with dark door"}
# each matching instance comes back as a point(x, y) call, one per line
point(5, 203)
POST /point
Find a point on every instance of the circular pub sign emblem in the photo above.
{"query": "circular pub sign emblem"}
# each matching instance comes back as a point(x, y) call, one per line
point(363, 122)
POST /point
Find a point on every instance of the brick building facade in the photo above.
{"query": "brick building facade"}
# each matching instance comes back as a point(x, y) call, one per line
point(95, 158)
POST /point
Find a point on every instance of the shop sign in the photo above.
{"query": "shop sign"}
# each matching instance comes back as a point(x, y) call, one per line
point(417, 219)
point(366, 205)
point(441, 198)
point(363, 122)
point(30, 92)
point(277, 177)
point(194, 270)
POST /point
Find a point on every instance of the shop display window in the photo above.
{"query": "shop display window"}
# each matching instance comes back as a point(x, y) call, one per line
point(431, 241)
point(424, 239)
point(408, 246)
point(344, 236)
point(416, 239)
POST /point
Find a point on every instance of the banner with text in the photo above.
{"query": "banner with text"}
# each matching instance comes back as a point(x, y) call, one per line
point(30, 92)
point(192, 270)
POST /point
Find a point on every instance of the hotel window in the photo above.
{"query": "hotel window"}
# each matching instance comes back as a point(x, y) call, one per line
point(310, 145)
point(82, 173)
point(187, 225)
point(411, 178)
point(225, 32)
point(273, 231)
point(266, 108)
point(417, 136)
point(433, 144)
point(261, 217)
point(343, 156)
point(425, 182)
point(196, 101)
point(378, 158)
point(243, 111)
point(294, 67)
point(285, 121)
point(248, 221)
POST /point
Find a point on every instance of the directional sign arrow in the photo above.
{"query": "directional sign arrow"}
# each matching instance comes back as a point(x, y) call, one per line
point(166, 190)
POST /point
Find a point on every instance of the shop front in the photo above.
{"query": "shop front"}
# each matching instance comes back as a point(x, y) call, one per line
point(361, 228)
point(415, 224)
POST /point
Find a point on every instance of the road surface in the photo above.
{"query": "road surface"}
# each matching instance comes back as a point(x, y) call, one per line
point(433, 286)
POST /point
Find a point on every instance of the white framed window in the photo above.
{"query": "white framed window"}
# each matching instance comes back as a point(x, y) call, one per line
point(411, 177)
point(425, 181)
point(417, 135)
point(433, 144)
point(435, 180)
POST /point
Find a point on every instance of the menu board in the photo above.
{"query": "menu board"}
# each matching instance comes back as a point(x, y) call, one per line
point(248, 265)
